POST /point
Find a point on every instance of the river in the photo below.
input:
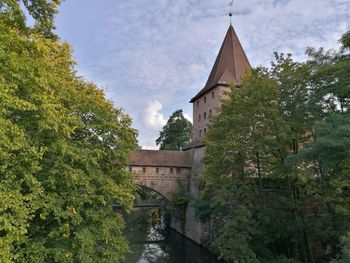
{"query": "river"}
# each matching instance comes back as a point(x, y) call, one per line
point(151, 241)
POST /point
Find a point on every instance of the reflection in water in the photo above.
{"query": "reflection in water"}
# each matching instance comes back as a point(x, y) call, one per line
point(151, 241)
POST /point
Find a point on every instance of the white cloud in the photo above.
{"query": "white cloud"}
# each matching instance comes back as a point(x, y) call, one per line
point(150, 147)
point(188, 116)
point(196, 69)
point(152, 117)
point(168, 47)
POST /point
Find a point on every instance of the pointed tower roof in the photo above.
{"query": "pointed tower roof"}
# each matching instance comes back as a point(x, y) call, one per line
point(230, 64)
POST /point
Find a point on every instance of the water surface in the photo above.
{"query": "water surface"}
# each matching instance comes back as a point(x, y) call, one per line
point(152, 241)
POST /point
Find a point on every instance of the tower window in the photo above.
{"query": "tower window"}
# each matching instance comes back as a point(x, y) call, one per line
point(205, 130)
point(199, 117)
point(205, 99)
point(209, 112)
point(144, 169)
point(205, 115)
point(200, 133)
point(212, 94)
point(171, 170)
point(157, 170)
point(197, 103)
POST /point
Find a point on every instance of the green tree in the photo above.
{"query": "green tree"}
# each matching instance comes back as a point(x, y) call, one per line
point(176, 133)
point(63, 150)
point(279, 152)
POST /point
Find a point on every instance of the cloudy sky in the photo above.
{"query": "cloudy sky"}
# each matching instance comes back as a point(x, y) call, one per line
point(152, 56)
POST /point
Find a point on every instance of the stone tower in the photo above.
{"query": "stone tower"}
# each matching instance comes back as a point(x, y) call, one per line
point(230, 66)
point(161, 170)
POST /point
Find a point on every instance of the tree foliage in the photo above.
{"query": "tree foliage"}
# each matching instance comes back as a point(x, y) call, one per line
point(276, 175)
point(63, 149)
point(176, 133)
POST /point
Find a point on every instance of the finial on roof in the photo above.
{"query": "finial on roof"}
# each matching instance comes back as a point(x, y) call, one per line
point(230, 14)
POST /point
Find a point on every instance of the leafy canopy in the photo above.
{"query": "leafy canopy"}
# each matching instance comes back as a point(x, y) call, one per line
point(276, 176)
point(63, 150)
point(176, 133)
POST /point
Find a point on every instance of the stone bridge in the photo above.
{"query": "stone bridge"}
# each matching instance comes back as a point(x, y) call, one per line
point(165, 172)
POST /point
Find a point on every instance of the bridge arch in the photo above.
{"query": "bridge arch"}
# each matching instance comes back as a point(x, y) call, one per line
point(165, 198)
point(164, 172)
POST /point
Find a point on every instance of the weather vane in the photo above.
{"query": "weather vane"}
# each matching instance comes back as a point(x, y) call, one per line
point(230, 14)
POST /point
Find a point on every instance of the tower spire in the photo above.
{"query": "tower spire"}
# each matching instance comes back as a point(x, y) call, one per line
point(230, 14)
point(230, 64)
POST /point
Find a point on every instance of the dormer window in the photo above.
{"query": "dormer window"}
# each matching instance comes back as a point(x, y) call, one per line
point(205, 99)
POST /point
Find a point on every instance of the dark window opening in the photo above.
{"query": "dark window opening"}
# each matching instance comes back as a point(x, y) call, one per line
point(130, 169)
point(205, 115)
point(212, 94)
point(209, 113)
point(200, 133)
point(205, 130)
point(199, 117)
point(144, 169)
point(178, 170)
point(205, 99)
point(157, 170)
point(171, 170)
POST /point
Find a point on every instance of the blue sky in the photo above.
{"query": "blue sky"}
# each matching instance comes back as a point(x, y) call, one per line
point(152, 56)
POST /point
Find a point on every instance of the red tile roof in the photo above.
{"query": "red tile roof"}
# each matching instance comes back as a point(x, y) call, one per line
point(230, 64)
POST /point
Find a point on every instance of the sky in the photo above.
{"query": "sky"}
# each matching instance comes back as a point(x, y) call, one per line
point(152, 56)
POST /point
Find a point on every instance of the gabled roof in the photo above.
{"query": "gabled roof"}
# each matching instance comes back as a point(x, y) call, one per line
point(230, 64)
point(160, 158)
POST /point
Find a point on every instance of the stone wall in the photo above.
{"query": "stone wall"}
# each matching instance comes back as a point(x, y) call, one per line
point(163, 180)
point(203, 108)
point(191, 227)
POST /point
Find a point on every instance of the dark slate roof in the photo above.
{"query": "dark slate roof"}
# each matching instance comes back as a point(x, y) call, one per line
point(230, 64)
point(160, 158)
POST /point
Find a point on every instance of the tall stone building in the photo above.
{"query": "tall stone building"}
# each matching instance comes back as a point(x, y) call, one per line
point(230, 66)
